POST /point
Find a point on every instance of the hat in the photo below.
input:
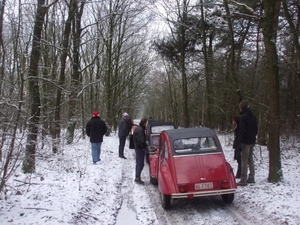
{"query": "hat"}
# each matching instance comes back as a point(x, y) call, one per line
point(96, 113)
point(125, 115)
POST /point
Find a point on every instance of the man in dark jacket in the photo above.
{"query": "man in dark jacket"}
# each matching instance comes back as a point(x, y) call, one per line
point(123, 132)
point(139, 138)
point(247, 138)
point(95, 129)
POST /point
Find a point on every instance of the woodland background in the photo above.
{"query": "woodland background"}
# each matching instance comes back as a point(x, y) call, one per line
point(188, 61)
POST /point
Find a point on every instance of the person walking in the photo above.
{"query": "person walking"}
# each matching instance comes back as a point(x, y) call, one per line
point(236, 146)
point(123, 132)
point(247, 138)
point(95, 130)
point(139, 139)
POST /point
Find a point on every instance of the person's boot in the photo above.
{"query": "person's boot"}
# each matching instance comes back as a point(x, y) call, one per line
point(242, 183)
point(250, 181)
point(139, 181)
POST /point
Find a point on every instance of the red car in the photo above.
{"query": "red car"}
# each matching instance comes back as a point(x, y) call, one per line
point(190, 163)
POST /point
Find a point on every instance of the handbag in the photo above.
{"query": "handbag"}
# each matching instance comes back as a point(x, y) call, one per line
point(131, 143)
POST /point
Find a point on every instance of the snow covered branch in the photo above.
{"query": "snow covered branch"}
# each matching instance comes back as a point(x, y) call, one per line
point(243, 6)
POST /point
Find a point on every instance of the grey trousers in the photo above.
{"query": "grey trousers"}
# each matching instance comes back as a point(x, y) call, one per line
point(247, 160)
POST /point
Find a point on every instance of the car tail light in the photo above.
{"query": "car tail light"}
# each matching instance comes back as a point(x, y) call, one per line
point(224, 184)
point(182, 188)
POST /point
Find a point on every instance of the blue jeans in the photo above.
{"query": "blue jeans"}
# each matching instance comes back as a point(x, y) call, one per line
point(96, 151)
point(139, 159)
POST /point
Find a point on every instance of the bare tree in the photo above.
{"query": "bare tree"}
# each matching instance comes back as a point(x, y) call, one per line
point(65, 48)
point(76, 75)
point(33, 88)
point(270, 27)
point(2, 49)
point(121, 61)
point(2, 61)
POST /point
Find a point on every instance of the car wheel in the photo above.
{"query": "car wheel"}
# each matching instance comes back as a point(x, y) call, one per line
point(228, 198)
point(165, 201)
point(153, 180)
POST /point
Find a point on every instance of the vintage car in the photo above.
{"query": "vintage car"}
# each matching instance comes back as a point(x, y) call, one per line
point(190, 163)
point(153, 129)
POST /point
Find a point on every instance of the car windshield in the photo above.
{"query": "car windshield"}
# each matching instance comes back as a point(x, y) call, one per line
point(158, 129)
point(195, 145)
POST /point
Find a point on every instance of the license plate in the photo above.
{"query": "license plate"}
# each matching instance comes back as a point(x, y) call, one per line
point(201, 186)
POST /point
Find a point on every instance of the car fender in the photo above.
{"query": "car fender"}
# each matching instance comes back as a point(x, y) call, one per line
point(165, 181)
point(231, 176)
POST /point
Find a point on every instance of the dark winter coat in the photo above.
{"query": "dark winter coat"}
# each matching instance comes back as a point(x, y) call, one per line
point(95, 129)
point(139, 138)
point(247, 127)
point(123, 128)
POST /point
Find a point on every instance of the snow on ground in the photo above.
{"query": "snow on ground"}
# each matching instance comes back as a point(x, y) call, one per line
point(68, 189)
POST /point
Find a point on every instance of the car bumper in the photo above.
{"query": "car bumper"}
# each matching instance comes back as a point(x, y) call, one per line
point(203, 193)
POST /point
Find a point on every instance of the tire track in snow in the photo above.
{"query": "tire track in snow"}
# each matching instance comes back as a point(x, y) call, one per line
point(135, 195)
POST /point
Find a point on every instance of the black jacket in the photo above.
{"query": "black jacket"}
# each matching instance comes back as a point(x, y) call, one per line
point(139, 138)
point(247, 127)
point(95, 129)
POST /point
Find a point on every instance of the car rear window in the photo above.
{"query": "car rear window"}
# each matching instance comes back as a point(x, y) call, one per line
point(195, 145)
point(158, 129)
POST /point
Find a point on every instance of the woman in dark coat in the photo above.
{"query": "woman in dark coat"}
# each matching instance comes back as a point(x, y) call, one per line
point(139, 139)
point(236, 145)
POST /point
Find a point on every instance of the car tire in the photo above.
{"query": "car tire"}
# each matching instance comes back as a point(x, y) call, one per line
point(147, 158)
point(153, 180)
point(165, 200)
point(228, 198)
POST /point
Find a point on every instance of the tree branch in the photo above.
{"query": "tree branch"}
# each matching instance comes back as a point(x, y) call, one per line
point(251, 12)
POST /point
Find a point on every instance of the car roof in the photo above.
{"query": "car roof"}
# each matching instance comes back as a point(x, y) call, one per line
point(153, 123)
point(190, 132)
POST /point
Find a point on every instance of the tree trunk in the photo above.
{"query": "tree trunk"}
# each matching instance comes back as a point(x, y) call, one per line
point(186, 116)
point(231, 65)
point(2, 61)
point(61, 80)
point(75, 77)
point(269, 26)
point(33, 90)
point(208, 69)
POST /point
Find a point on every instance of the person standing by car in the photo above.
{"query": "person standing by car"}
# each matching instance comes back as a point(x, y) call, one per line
point(95, 129)
point(139, 139)
point(123, 132)
point(247, 138)
point(236, 146)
